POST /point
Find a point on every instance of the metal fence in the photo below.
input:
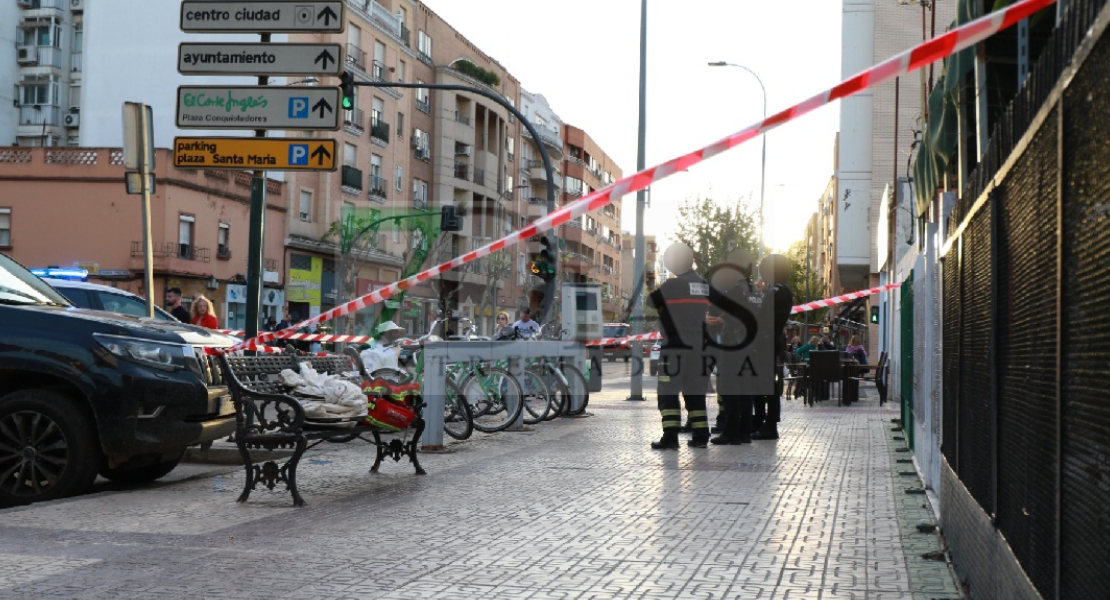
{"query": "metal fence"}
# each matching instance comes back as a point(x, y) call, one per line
point(1026, 329)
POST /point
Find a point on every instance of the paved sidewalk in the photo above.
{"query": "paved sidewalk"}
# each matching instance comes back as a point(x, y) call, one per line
point(576, 508)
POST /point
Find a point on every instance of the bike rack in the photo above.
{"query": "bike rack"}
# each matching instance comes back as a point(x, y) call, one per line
point(437, 355)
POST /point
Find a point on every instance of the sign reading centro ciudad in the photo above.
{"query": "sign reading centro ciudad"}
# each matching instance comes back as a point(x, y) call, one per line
point(264, 17)
point(263, 107)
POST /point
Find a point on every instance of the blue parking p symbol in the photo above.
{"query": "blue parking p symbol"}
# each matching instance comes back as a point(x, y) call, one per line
point(298, 107)
point(298, 154)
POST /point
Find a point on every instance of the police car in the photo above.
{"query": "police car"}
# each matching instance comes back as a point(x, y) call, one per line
point(100, 297)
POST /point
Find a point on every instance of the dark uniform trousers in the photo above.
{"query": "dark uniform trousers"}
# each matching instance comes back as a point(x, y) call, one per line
point(685, 372)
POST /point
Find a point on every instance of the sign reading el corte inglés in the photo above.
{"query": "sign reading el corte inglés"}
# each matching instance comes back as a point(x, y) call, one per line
point(271, 154)
point(204, 58)
point(249, 16)
point(255, 107)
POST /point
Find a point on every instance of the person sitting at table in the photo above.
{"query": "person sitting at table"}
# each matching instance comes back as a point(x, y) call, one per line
point(804, 350)
point(856, 350)
point(826, 344)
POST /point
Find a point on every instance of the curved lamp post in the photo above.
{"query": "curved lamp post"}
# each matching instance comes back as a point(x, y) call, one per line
point(763, 166)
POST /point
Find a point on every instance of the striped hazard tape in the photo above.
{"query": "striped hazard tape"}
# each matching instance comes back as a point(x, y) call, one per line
point(919, 56)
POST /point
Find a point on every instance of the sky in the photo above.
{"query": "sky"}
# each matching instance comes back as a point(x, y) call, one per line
point(583, 56)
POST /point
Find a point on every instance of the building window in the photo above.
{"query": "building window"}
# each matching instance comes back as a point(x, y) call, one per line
point(419, 193)
point(306, 206)
point(185, 236)
point(400, 71)
point(424, 47)
point(5, 228)
point(223, 249)
point(509, 147)
point(38, 92)
point(401, 125)
point(398, 177)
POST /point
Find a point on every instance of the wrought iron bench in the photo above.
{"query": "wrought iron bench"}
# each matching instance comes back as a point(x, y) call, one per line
point(268, 417)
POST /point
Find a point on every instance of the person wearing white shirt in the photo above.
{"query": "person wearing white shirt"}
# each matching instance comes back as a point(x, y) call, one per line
point(526, 326)
point(383, 353)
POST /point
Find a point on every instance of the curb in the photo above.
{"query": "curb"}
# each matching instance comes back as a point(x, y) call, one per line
point(228, 454)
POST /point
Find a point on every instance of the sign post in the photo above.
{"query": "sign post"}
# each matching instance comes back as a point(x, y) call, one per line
point(258, 108)
point(138, 155)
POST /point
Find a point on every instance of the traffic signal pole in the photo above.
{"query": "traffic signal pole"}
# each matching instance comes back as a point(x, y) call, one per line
point(637, 392)
point(256, 238)
point(549, 287)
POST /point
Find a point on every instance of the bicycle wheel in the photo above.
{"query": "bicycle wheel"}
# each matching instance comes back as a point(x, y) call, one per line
point(577, 384)
point(494, 396)
point(458, 422)
point(537, 397)
point(556, 385)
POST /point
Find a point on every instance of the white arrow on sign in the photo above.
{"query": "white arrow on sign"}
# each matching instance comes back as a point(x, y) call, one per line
point(257, 107)
point(259, 59)
point(250, 16)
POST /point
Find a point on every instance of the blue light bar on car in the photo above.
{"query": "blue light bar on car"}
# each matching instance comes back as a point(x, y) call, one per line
point(70, 274)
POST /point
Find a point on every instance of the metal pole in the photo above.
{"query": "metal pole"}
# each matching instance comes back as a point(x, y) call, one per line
point(144, 173)
point(255, 248)
point(637, 392)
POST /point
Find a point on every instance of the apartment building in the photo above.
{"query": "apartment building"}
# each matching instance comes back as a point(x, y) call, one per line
point(593, 242)
point(68, 207)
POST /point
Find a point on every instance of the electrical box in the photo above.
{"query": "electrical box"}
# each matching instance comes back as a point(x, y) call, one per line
point(581, 314)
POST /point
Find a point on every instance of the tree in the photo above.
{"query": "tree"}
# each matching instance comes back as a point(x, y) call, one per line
point(817, 290)
point(496, 267)
point(355, 233)
point(714, 229)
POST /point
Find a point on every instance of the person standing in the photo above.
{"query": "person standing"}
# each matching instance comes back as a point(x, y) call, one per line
point(173, 305)
point(776, 270)
point(503, 331)
point(682, 301)
point(526, 327)
point(742, 303)
point(202, 313)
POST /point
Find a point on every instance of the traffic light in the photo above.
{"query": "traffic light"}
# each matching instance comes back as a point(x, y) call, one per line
point(448, 220)
point(544, 266)
point(347, 90)
point(874, 314)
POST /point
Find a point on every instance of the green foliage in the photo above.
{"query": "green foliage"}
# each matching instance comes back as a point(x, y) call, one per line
point(817, 290)
point(485, 76)
point(713, 229)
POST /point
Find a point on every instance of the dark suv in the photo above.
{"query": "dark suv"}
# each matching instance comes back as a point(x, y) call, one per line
point(85, 392)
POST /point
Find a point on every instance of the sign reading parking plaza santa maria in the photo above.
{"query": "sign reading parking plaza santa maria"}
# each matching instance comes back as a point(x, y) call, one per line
point(262, 16)
point(259, 59)
point(270, 154)
point(255, 107)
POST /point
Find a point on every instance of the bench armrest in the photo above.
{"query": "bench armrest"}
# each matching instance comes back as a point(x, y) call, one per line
point(260, 411)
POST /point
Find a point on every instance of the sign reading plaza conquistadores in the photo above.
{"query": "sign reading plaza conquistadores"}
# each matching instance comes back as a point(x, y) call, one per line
point(257, 107)
point(270, 154)
point(250, 16)
point(203, 58)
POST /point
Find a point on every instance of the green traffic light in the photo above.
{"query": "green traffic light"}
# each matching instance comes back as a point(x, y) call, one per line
point(347, 103)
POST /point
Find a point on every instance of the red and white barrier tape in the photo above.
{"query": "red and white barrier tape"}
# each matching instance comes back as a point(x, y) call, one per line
point(919, 56)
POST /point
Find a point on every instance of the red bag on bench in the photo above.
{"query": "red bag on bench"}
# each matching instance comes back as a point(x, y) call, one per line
point(391, 404)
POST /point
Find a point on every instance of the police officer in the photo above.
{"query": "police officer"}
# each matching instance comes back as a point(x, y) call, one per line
point(775, 270)
point(682, 302)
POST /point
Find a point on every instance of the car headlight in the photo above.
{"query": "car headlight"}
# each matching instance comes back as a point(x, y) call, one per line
point(160, 355)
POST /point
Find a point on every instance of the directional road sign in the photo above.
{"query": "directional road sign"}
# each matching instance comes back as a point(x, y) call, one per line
point(259, 59)
point(268, 154)
point(249, 16)
point(257, 107)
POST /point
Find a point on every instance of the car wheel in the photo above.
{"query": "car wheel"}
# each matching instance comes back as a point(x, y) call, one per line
point(143, 474)
point(47, 447)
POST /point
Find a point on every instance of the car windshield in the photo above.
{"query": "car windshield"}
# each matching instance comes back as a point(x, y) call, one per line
point(614, 331)
point(20, 286)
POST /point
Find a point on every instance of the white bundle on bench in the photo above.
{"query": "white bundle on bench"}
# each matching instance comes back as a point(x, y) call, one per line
point(338, 397)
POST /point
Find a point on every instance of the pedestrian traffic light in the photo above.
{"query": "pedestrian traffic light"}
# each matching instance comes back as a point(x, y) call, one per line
point(347, 90)
point(874, 314)
point(544, 265)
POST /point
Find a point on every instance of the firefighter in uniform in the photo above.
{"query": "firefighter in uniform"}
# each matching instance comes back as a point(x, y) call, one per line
point(682, 302)
point(734, 306)
point(775, 270)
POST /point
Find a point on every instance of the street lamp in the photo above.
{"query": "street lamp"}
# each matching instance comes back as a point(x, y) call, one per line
point(763, 166)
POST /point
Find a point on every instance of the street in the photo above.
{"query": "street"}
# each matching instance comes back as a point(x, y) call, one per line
point(574, 508)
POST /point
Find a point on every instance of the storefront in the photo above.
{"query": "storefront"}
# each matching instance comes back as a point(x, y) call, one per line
point(305, 282)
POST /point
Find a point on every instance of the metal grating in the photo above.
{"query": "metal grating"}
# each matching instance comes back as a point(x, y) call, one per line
point(950, 362)
point(71, 157)
point(975, 429)
point(1026, 357)
point(1085, 526)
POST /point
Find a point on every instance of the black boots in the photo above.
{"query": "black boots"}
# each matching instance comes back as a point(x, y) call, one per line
point(665, 443)
point(770, 431)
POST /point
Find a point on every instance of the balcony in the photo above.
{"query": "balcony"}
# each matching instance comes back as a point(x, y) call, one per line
point(379, 130)
point(461, 118)
point(378, 71)
point(223, 252)
point(462, 170)
point(424, 58)
point(175, 257)
point(424, 105)
point(536, 172)
point(354, 118)
point(39, 56)
point(421, 153)
point(381, 16)
point(479, 176)
point(548, 137)
point(356, 57)
point(419, 201)
point(378, 191)
point(351, 178)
